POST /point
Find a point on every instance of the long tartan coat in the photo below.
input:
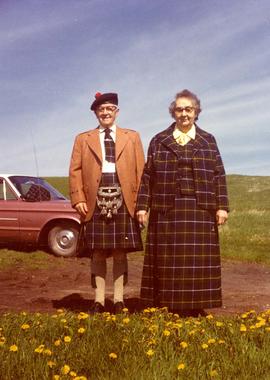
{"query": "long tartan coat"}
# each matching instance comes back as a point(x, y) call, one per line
point(182, 262)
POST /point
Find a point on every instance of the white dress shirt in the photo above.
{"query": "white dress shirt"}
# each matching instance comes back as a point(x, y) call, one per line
point(107, 167)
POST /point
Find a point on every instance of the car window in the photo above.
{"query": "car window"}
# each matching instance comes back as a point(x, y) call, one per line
point(24, 183)
point(6, 193)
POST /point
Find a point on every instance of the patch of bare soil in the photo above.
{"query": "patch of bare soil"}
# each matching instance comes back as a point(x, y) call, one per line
point(66, 284)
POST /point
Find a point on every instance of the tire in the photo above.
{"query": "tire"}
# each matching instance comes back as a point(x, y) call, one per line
point(62, 239)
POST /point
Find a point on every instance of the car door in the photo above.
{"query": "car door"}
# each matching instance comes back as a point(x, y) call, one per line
point(9, 214)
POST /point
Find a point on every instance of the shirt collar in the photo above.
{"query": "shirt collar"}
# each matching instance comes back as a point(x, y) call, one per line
point(112, 128)
point(191, 133)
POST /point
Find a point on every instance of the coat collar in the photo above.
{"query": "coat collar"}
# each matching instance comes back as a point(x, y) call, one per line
point(166, 138)
point(93, 142)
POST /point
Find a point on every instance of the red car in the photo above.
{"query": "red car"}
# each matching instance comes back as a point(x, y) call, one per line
point(32, 212)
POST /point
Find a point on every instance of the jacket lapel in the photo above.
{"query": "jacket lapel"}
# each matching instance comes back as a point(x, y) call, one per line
point(94, 143)
point(168, 140)
point(200, 141)
point(121, 141)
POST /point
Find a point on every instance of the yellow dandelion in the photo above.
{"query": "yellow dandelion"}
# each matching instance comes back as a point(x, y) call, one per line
point(67, 339)
point(204, 346)
point(125, 310)
point(81, 330)
point(72, 374)
point(63, 320)
point(24, 313)
point(112, 355)
point(166, 333)
point(181, 366)
point(54, 316)
point(83, 315)
point(47, 352)
point(25, 326)
point(57, 342)
point(209, 316)
point(146, 311)
point(51, 363)
point(60, 311)
point(213, 373)
point(126, 320)
point(56, 377)
point(40, 349)
point(150, 352)
point(65, 369)
point(211, 341)
point(221, 341)
point(183, 344)
point(243, 328)
point(13, 348)
point(219, 324)
point(192, 332)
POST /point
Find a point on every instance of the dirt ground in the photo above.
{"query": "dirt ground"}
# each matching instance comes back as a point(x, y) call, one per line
point(66, 284)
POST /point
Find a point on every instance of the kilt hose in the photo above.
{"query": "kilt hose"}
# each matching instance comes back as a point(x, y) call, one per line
point(120, 232)
point(182, 268)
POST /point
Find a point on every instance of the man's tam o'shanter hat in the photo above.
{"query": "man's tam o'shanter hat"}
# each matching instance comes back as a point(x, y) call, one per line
point(109, 97)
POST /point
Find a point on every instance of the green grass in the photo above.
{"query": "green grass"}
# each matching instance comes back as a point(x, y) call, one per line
point(32, 260)
point(246, 236)
point(154, 344)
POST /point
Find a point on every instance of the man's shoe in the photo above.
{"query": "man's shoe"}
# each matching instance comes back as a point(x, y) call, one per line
point(97, 308)
point(118, 307)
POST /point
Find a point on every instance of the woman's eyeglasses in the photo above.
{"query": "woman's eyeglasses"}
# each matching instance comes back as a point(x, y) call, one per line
point(182, 109)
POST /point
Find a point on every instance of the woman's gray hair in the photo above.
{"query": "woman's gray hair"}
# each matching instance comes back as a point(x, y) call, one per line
point(186, 94)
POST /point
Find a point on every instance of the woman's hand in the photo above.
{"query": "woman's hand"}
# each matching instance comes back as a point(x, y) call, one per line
point(142, 217)
point(81, 208)
point(221, 216)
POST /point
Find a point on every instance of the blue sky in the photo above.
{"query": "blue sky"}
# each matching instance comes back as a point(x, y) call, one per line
point(55, 55)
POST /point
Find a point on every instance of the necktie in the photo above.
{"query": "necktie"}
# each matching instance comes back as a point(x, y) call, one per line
point(109, 146)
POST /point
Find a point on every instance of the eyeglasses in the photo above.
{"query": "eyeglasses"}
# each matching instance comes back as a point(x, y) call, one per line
point(110, 109)
point(182, 109)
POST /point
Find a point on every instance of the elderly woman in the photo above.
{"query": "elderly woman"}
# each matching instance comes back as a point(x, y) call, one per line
point(184, 185)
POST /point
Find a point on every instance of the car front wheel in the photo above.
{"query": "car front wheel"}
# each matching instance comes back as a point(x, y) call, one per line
point(62, 239)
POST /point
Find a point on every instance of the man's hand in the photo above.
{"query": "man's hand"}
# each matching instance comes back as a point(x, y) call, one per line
point(82, 208)
point(142, 217)
point(221, 216)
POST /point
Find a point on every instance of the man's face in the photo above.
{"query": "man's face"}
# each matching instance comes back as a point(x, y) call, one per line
point(106, 114)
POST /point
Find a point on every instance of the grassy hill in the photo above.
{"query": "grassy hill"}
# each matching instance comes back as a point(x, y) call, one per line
point(246, 236)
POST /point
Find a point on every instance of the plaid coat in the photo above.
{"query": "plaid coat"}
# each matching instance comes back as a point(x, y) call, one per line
point(158, 184)
point(182, 262)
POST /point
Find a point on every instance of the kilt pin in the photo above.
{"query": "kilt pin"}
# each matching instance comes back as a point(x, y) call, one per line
point(183, 186)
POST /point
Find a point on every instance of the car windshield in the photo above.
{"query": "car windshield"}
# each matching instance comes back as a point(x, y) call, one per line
point(23, 183)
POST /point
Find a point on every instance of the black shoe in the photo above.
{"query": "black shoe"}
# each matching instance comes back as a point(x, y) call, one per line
point(118, 307)
point(97, 308)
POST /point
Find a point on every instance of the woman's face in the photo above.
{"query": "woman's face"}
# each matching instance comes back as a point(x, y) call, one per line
point(184, 113)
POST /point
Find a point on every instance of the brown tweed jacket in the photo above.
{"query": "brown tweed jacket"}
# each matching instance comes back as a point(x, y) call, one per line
point(86, 167)
point(158, 184)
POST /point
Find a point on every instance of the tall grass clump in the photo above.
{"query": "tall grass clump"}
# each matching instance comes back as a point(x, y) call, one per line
point(246, 235)
point(154, 344)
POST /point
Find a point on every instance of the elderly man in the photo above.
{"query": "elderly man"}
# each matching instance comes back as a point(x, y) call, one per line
point(105, 172)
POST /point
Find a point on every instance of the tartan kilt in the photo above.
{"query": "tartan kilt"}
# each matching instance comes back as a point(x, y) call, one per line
point(182, 268)
point(120, 232)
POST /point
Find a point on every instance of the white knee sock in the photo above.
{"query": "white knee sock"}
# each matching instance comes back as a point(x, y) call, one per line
point(100, 290)
point(119, 289)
